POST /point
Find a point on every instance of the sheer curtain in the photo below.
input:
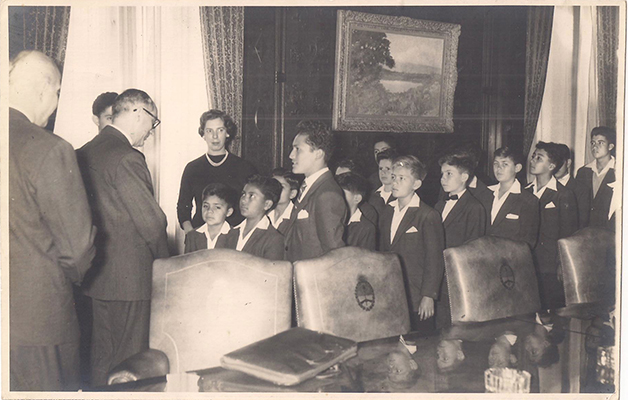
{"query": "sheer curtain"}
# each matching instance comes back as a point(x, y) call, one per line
point(223, 53)
point(155, 49)
point(571, 106)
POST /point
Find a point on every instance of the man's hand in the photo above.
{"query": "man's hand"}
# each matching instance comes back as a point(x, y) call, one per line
point(426, 308)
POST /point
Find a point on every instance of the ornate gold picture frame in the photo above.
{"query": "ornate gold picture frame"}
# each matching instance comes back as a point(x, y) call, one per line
point(394, 73)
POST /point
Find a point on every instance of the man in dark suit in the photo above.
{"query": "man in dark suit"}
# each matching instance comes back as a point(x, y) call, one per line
point(558, 219)
point(50, 233)
point(131, 232)
point(317, 220)
point(595, 181)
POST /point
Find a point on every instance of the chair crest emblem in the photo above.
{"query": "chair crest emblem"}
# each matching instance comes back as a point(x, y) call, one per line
point(364, 294)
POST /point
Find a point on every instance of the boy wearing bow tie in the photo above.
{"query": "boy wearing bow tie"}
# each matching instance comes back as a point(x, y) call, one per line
point(464, 217)
point(512, 213)
point(413, 230)
point(558, 219)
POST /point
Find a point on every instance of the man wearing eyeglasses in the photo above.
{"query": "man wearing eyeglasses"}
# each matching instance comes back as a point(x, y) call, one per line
point(131, 232)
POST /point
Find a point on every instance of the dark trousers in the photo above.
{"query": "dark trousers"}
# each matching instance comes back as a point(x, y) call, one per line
point(120, 330)
point(45, 368)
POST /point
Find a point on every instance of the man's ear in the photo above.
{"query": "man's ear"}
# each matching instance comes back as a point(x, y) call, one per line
point(357, 198)
point(466, 179)
point(569, 162)
point(413, 365)
point(518, 168)
point(320, 154)
point(417, 184)
point(459, 355)
point(95, 119)
point(552, 168)
point(611, 146)
point(229, 212)
point(293, 193)
point(267, 204)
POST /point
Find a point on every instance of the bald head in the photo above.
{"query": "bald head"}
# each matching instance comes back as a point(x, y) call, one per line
point(34, 83)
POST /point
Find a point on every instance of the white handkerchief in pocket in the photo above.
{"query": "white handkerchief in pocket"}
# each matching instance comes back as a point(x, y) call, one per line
point(411, 230)
point(550, 205)
point(303, 214)
point(512, 216)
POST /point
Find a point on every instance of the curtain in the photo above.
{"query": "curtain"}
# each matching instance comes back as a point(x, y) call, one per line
point(223, 54)
point(154, 49)
point(607, 45)
point(539, 35)
point(39, 28)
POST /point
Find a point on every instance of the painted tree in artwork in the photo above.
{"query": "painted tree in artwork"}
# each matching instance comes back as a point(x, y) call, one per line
point(370, 52)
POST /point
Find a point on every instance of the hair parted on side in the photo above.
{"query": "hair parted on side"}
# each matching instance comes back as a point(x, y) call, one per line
point(103, 101)
point(507, 152)
point(222, 191)
point(416, 167)
point(553, 153)
point(388, 154)
point(319, 136)
point(270, 188)
point(230, 125)
point(354, 183)
point(605, 131)
point(463, 162)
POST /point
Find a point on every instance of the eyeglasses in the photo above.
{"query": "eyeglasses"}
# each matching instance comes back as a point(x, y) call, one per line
point(156, 120)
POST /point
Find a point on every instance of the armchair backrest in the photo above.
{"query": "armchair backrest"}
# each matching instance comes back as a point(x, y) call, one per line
point(352, 293)
point(587, 260)
point(490, 278)
point(208, 303)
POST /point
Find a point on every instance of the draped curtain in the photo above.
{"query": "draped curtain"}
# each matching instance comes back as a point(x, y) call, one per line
point(607, 45)
point(223, 54)
point(539, 36)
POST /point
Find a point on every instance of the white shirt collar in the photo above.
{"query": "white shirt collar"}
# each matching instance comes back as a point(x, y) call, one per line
point(356, 217)
point(563, 181)
point(224, 229)
point(309, 181)
point(611, 164)
point(415, 201)
point(515, 188)
point(548, 327)
point(383, 194)
point(285, 215)
point(262, 224)
point(551, 185)
point(474, 182)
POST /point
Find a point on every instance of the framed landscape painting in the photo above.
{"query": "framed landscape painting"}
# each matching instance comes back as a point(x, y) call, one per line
point(394, 74)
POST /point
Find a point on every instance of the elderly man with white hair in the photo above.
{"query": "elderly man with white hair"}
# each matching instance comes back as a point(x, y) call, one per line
point(50, 233)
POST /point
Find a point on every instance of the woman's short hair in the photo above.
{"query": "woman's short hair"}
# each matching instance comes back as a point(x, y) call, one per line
point(232, 128)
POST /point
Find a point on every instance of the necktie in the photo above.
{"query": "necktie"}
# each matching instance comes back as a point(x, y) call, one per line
point(453, 197)
point(302, 190)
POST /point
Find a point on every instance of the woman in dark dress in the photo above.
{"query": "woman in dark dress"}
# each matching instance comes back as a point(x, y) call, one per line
point(216, 165)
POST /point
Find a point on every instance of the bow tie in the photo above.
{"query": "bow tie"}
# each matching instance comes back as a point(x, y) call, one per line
point(454, 197)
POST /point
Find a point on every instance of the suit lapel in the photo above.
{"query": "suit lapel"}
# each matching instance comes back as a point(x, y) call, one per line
point(254, 240)
point(405, 224)
point(457, 209)
point(506, 207)
point(547, 197)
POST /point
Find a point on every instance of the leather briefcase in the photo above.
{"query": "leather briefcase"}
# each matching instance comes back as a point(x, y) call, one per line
point(290, 357)
point(353, 293)
point(490, 278)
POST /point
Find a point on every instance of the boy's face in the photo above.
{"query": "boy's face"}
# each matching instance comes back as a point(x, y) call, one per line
point(600, 147)
point(305, 159)
point(253, 203)
point(104, 119)
point(215, 210)
point(401, 366)
point(385, 172)
point(500, 355)
point(535, 345)
point(452, 179)
point(449, 353)
point(403, 182)
point(379, 147)
point(540, 163)
point(287, 193)
point(505, 169)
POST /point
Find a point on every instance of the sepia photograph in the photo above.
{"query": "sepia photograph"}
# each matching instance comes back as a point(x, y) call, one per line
point(209, 200)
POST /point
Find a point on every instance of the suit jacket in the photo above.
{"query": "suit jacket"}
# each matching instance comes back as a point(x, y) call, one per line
point(361, 234)
point(131, 225)
point(480, 192)
point(558, 219)
point(466, 220)
point(195, 240)
point(517, 219)
point(50, 235)
point(317, 221)
point(594, 210)
point(378, 202)
point(419, 242)
point(265, 243)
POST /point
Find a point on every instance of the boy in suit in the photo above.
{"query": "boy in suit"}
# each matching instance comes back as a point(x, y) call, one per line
point(218, 205)
point(256, 235)
point(558, 219)
point(381, 143)
point(317, 221)
point(512, 213)
point(595, 180)
point(413, 230)
point(383, 195)
point(463, 217)
point(280, 216)
point(360, 231)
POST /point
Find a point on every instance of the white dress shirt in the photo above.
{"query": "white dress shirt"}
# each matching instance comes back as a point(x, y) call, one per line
point(262, 224)
point(383, 194)
point(398, 214)
point(211, 243)
point(449, 204)
point(499, 202)
point(539, 192)
point(285, 215)
point(310, 180)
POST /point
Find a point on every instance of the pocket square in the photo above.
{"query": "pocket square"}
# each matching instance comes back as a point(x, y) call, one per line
point(550, 205)
point(411, 230)
point(512, 216)
point(303, 214)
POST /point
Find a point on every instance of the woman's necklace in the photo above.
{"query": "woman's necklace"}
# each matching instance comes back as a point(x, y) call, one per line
point(219, 163)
